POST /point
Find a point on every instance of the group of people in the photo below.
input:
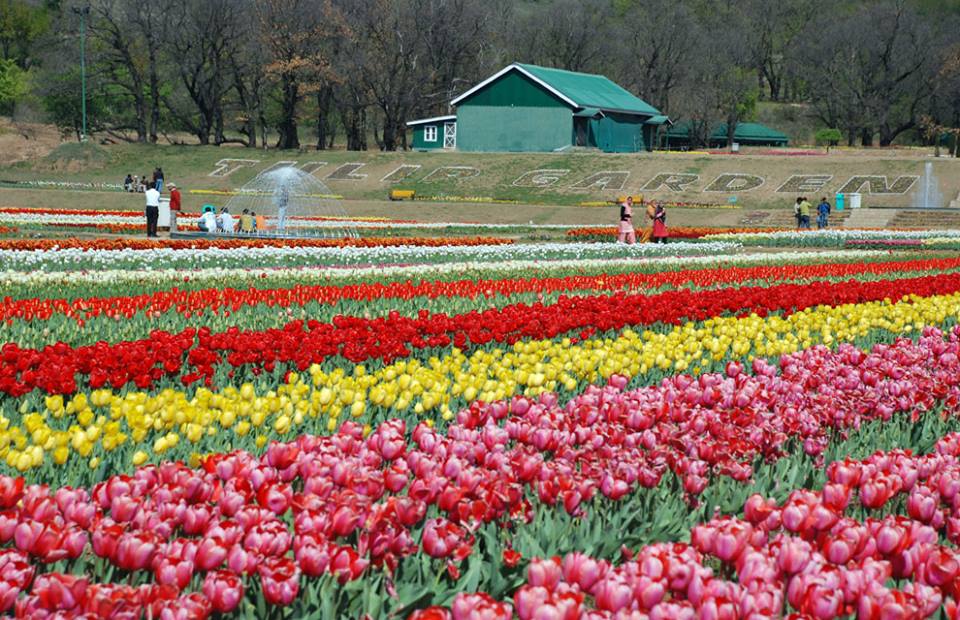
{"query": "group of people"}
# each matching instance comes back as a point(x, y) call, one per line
point(152, 211)
point(656, 213)
point(249, 222)
point(140, 185)
point(801, 210)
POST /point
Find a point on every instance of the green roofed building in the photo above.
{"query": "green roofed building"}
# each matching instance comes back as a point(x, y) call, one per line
point(746, 134)
point(526, 108)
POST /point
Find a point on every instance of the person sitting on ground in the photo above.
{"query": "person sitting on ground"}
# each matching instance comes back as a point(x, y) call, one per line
point(142, 187)
point(208, 220)
point(128, 183)
point(225, 222)
point(259, 222)
point(246, 222)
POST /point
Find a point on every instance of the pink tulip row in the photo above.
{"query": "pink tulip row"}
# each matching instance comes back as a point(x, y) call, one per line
point(357, 502)
point(810, 555)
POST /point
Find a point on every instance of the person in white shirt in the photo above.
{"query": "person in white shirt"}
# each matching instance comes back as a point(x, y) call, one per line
point(226, 222)
point(208, 221)
point(153, 210)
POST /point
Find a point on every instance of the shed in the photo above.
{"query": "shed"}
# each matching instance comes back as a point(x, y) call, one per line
point(527, 108)
point(749, 134)
point(439, 132)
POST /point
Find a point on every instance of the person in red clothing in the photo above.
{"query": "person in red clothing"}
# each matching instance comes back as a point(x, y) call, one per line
point(174, 206)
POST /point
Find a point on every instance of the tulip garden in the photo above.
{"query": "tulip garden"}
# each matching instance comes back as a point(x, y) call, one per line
point(472, 429)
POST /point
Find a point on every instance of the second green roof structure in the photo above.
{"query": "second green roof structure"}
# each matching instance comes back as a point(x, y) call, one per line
point(530, 108)
point(748, 134)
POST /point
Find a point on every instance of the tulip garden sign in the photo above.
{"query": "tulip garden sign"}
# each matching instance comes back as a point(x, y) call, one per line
point(733, 182)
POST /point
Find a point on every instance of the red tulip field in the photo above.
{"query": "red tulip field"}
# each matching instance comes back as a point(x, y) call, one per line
point(472, 429)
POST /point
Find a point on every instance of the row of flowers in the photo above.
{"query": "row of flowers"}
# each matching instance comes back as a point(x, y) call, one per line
point(112, 428)
point(359, 503)
point(55, 255)
point(834, 237)
point(196, 354)
point(195, 302)
point(41, 283)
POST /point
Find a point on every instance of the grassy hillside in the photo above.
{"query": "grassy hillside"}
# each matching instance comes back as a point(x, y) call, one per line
point(563, 179)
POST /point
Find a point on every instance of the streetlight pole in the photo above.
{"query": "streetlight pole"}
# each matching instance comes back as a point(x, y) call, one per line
point(83, 13)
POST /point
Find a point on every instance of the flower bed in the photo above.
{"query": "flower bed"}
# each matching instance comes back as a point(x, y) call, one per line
point(196, 354)
point(400, 509)
point(416, 432)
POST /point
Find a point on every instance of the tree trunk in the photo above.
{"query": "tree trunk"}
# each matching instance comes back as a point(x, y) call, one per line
point(774, 83)
point(731, 129)
point(289, 138)
point(355, 127)
point(324, 116)
point(851, 136)
point(140, 109)
point(154, 94)
point(218, 129)
point(389, 135)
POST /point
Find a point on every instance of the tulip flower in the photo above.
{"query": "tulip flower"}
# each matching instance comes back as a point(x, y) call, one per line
point(280, 580)
point(224, 590)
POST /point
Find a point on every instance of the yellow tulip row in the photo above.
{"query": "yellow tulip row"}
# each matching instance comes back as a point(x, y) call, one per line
point(103, 421)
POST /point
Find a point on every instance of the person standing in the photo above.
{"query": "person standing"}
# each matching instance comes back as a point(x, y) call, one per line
point(796, 211)
point(804, 213)
point(627, 234)
point(158, 178)
point(823, 212)
point(660, 232)
point(175, 205)
point(152, 210)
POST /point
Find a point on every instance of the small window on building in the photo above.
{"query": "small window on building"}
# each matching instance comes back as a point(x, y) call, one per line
point(430, 133)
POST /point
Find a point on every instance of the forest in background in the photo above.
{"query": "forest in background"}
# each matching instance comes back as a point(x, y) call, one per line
point(350, 73)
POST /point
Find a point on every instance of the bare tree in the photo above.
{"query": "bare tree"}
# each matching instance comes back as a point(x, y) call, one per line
point(567, 34)
point(204, 36)
point(296, 36)
point(872, 70)
point(121, 51)
point(657, 45)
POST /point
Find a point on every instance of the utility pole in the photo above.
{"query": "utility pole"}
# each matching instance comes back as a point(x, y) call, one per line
point(83, 13)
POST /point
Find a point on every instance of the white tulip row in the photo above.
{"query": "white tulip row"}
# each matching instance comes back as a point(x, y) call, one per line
point(339, 276)
point(201, 258)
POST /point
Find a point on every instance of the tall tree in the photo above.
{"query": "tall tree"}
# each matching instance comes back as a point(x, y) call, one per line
point(296, 36)
point(567, 34)
point(872, 70)
point(203, 36)
point(657, 44)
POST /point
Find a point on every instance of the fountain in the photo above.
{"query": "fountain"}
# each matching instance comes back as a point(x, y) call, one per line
point(928, 194)
point(294, 203)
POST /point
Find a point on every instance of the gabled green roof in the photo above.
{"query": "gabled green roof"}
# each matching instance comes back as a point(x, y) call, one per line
point(745, 132)
point(749, 131)
point(579, 90)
